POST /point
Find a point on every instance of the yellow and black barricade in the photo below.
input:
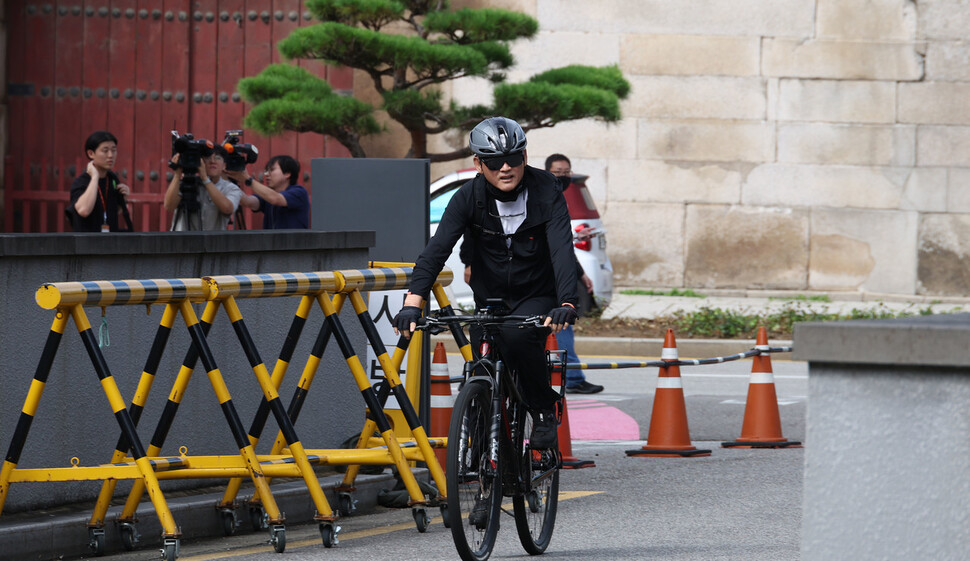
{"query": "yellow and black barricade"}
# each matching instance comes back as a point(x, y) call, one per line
point(131, 460)
point(68, 299)
point(388, 276)
point(224, 288)
point(299, 464)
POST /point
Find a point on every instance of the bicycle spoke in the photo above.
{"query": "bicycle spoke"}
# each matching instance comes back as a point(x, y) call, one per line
point(474, 488)
point(535, 507)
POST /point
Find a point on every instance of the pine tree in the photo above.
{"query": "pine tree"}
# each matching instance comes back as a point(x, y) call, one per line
point(408, 48)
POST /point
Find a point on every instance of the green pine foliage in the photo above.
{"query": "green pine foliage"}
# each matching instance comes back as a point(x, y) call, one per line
point(371, 14)
point(290, 98)
point(545, 105)
point(408, 48)
point(466, 27)
point(605, 77)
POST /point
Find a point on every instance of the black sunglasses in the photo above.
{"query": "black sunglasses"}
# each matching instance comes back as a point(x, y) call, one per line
point(496, 162)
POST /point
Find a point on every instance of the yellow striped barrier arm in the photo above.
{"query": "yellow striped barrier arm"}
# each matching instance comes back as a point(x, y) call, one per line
point(270, 284)
point(51, 296)
point(384, 278)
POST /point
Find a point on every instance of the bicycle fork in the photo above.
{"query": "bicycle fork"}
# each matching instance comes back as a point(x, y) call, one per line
point(495, 424)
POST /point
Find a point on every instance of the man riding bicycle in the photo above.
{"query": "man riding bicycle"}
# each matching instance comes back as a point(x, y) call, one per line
point(521, 252)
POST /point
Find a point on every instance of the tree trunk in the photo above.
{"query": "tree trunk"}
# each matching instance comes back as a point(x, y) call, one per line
point(419, 144)
point(351, 142)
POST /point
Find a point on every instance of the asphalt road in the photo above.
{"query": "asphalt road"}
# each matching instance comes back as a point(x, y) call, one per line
point(733, 505)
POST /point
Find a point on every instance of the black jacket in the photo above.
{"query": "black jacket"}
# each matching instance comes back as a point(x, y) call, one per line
point(539, 264)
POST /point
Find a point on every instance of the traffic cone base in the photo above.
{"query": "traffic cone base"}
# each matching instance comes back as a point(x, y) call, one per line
point(656, 453)
point(752, 444)
point(577, 464)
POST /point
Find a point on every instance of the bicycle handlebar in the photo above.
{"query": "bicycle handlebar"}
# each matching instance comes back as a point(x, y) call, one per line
point(483, 319)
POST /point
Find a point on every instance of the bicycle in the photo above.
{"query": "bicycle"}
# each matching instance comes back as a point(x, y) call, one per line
point(489, 455)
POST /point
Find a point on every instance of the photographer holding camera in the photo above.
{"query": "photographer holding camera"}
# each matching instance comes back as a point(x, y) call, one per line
point(96, 195)
point(284, 204)
point(217, 198)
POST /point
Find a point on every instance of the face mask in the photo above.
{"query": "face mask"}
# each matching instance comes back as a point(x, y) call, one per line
point(505, 197)
point(564, 182)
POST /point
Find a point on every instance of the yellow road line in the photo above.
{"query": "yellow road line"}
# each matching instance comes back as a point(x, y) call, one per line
point(368, 533)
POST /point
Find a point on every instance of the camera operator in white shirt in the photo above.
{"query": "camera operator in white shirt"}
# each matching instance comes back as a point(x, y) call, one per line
point(218, 197)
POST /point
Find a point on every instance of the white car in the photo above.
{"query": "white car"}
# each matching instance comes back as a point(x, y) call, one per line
point(589, 239)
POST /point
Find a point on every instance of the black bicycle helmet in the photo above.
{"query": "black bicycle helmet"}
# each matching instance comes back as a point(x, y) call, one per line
point(496, 136)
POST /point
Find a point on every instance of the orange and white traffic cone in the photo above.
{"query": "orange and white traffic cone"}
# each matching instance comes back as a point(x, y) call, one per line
point(565, 439)
point(762, 424)
point(669, 435)
point(441, 400)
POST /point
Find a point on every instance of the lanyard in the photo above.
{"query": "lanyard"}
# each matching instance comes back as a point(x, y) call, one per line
point(104, 204)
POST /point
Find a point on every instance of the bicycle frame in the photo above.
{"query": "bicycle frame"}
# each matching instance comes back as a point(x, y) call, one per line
point(490, 454)
point(504, 387)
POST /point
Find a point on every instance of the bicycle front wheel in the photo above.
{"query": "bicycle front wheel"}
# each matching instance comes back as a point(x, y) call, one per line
point(474, 479)
point(536, 504)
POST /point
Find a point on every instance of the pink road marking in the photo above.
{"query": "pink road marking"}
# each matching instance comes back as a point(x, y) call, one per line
point(601, 423)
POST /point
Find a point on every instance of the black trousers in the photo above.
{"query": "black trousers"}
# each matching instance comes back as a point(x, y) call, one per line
point(524, 351)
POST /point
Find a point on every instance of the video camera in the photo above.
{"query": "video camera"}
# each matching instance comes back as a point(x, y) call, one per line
point(191, 150)
point(238, 154)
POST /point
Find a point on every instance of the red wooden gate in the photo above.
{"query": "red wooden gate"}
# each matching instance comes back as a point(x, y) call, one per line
point(139, 69)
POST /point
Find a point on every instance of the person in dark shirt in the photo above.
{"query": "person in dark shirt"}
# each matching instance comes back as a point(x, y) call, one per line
point(560, 166)
point(284, 204)
point(97, 196)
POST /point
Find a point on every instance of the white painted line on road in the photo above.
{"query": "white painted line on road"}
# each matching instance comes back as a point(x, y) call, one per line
point(775, 357)
point(777, 376)
point(602, 397)
point(780, 402)
point(626, 443)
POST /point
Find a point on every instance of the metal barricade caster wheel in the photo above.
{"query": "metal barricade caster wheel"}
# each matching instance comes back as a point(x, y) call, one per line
point(258, 518)
point(277, 537)
point(129, 536)
point(444, 516)
point(328, 533)
point(96, 540)
point(230, 522)
point(421, 519)
point(346, 504)
point(170, 549)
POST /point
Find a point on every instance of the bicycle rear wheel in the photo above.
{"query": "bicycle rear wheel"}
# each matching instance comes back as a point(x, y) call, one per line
point(474, 481)
point(536, 505)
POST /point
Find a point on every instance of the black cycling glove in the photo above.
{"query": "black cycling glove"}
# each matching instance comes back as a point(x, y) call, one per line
point(563, 314)
point(407, 316)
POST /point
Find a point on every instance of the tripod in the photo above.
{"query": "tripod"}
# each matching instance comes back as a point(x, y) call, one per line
point(188, 214)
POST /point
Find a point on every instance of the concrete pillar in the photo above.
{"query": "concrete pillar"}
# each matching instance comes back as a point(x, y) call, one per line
point(886, 473)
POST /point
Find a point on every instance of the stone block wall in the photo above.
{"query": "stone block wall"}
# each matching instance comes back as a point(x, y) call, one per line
point(775, 144)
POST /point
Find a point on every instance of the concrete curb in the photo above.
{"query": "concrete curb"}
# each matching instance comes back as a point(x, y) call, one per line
point(647, 348)
point(62, 532)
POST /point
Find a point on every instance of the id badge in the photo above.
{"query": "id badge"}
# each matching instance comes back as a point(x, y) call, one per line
point(104, 225)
